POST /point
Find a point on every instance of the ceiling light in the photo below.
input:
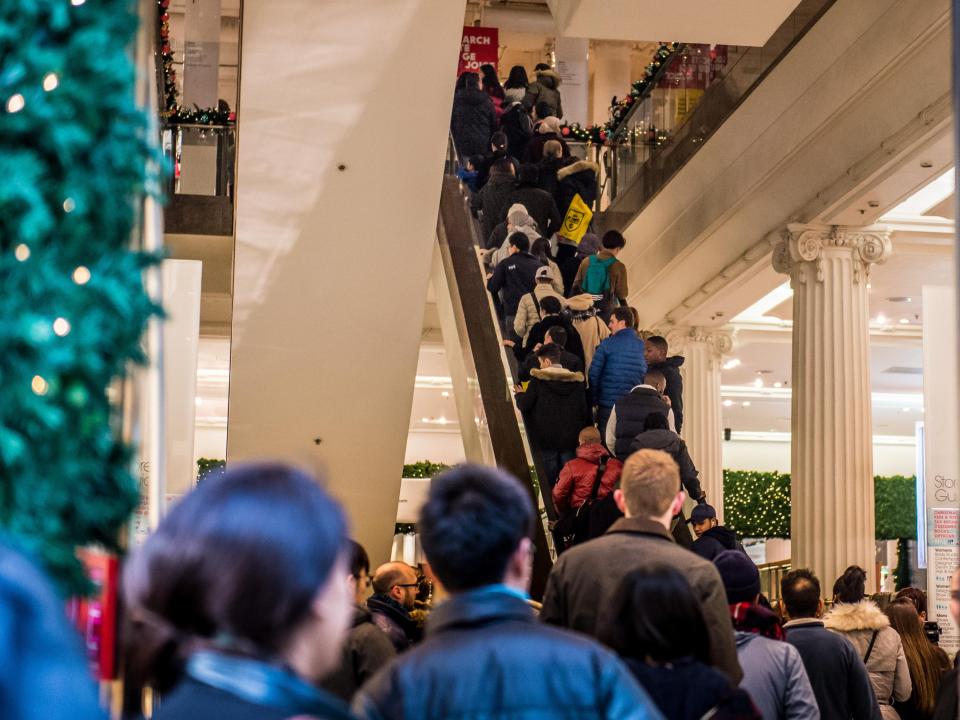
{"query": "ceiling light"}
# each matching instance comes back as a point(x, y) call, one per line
point(778, 384)
point(881, 319)
point(758, 383)
point(728, 403)
point(906, 409)
point(869, 286)
point(444, 394)
point(904, 321)
point(746, 403)
point(731, 364)
point(424, 419)
point(198, 401)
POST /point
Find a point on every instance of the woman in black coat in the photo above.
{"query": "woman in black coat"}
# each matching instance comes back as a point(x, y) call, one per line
point(474, 120)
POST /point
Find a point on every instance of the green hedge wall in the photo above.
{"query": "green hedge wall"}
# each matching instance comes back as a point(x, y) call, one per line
point(757, 504)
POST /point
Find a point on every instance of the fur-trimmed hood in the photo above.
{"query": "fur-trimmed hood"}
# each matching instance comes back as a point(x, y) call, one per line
point(847, 617)
point(556, 373)
point(581, 302)
point(579, 166)
point(549, 78)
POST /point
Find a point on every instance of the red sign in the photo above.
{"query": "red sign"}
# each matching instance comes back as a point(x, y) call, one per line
point(479, 46)
point(96, 616)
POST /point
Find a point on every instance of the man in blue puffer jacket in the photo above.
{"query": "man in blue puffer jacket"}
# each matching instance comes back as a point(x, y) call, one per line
point(617, 366)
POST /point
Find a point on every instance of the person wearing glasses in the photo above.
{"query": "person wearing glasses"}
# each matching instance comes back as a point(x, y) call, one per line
point(367, 648)
point(395, 587)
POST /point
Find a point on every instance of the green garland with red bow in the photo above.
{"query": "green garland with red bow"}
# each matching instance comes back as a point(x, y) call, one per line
point(619, 107)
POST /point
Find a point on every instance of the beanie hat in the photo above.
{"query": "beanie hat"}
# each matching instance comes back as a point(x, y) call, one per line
point(589, 244)
point(741, 578)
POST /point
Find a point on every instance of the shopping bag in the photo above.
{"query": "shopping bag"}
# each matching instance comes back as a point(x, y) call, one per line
point(577, 220)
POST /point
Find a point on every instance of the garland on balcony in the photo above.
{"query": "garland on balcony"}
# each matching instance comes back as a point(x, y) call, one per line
point(74, 154)
point(619, 107)
point(171, 110)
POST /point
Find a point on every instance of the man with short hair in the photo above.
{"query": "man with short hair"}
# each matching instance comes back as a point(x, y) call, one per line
point(395, 586)
point(554, 408)
point(630, 412)
point(366, 648)
point(553, 316)
point(618, 365)
point(555, 335)
point(656, 350)
point(485, 655)
point(602, 275)
point(585, 578)
point(837, 674)
point(515, 275)
point(712, 537)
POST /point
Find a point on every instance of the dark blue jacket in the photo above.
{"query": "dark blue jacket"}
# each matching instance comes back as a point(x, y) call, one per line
point(837, 674)
point(688, 689)
point(516, 276)
point(486, 656)
point(617, 367)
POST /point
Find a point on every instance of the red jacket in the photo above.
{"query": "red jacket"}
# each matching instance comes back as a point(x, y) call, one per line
point(577, 477)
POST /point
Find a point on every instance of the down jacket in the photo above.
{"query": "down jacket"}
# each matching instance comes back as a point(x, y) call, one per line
point(617, 366)
point(486, 656)
point(578, 476)
point(577, 178)
point(473, 122)
point(555, 408)
point(545, 89)
point(887, 665)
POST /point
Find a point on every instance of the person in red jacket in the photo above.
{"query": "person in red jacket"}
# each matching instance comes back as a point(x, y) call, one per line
point(577, 477)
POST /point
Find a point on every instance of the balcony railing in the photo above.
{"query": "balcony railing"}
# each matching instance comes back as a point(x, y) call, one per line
point(202, 178)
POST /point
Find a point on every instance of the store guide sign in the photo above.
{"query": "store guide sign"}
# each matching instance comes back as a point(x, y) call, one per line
point(478, 46)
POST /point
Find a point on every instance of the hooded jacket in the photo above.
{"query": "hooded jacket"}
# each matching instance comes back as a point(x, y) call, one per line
point(545, 89)
point(539, 203)
point(365, 650)
point(538, 334)
point(473, 121)
point(673, 445)
point(592, 330)
point(394, 620)
point(586, 577)
point(630, 415)
point(617, 367)
point(714, 541)
point(516, 276)
point(527, 313)
point(671, 371)
point(887, 664)
point(494, 200)
point(774, 675)
point(577, 477)
point(554, 407)
point(486, 656)
point(516, 125)
point(576, 178)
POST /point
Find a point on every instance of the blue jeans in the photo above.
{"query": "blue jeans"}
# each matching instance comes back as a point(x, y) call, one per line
point(553, 462)
point(603, 416)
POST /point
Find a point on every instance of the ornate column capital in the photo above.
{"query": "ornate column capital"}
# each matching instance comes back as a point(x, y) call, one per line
point(718, 340)
point(803, 248)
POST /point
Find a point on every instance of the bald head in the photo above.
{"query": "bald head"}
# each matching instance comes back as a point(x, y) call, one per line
point(397, 580)
point(589, 436)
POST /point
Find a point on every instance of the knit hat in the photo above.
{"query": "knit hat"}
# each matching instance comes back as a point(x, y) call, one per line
point(517, 214)
point(549, 125)
point(741, 578)
point(589, 244)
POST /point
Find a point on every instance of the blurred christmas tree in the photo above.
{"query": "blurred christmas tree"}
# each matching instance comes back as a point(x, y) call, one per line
point(73, 161)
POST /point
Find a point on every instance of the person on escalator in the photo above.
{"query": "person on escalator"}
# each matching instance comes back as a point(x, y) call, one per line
point(493, 200)
point(556, 335)
point(474, 119)
point(547, 130)
point(553, 316)
point(539, 203)
point(498, 151)
point(554, 408)
point(545, 89)
point(515, 276)
point(603, 275)
point(656, 348)
point(530, 310)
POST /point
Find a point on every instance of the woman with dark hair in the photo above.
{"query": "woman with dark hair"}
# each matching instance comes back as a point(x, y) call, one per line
point(490, 84)
point(516, 85)
point(878, 644)
point(657, 627)
point(474, 119)
point(927, 662)
point(239, 602)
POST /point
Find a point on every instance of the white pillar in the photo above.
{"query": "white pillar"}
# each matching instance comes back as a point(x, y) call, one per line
point(201, 55)
point(832, 430)
point(572, 67)
point(702, 412)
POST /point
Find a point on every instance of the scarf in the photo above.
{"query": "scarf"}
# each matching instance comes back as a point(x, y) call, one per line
point(751, 618)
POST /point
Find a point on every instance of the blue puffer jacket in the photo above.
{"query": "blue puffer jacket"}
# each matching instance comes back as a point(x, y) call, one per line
point(617, 367)
point(486, 656)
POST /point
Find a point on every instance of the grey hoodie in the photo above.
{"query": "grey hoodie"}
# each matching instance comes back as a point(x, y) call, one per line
point(774, 675)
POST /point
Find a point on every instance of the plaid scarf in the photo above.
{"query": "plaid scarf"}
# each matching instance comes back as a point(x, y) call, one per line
point(751, 618)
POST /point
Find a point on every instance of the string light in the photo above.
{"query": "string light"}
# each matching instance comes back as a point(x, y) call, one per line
point(77, 3)
point(81, 276)
point(69, 205)
point(50, 82)
point(61, 326)
point(22, 252)
point(39, 385)
point(15, 103)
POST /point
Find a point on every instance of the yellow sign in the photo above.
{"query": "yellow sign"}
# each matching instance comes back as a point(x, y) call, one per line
point(577, 220)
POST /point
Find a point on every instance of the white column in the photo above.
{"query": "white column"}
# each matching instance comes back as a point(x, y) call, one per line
point(572, 68)
point(832, 430)
point(702, 412)
point(201, 55)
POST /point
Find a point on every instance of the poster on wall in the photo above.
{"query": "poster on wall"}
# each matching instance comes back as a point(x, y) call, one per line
point(478, 46)
point(941, 462)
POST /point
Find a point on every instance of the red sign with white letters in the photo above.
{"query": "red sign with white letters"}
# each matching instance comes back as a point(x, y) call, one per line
point(478, 46)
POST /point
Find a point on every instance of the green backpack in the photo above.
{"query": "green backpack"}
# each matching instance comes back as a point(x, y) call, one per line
point(596, 280)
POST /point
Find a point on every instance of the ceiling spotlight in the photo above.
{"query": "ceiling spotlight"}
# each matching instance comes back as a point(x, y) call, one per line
point(746, 403)
point(778, 384)
point(424, 419)
point(731, 364)
point(881, 319)
point(728, 403)
point(758, 383)
point(444, 394)
point(904, 321)
point(906, 409)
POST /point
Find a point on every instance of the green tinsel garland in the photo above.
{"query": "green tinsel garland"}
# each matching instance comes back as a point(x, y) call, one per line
point(73, 158)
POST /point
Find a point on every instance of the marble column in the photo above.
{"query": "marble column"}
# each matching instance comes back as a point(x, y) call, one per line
point(702, 412)
point(832, 430)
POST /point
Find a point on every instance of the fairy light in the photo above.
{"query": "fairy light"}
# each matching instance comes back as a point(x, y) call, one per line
point(50, 82)
point(39, 385)
point(81, 276)
point(61, 326)
point(69, 205)
point(15, 103)
point(22, 252)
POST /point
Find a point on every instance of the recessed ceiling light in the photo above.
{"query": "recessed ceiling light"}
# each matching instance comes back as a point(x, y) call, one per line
point(904, 321)
point(731, 364)
point(424, 419)
point(728, 403)
point(881, 319)
point(899, 299)
point(746, 403)
point(758, 383)
point(778, 384)
point(444, 394)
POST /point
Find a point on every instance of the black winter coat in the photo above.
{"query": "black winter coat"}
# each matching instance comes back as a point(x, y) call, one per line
point(533, 153)
point(473, 122)
point(716, 540)
point(689, 689)
point(518, 127)
point(670, 443)
point(486, 656)
point(539, 332)
point(394, 621)
point(671, 371)
point(632, 410)
point(494, 200)
point(483, 166)
point(540, 206)
point(516, 276)
point(365, 650)
point(568, 361)
point(555, 408)
point(576, 178)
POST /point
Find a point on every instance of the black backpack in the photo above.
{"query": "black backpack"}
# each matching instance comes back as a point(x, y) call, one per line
point(573, 526)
